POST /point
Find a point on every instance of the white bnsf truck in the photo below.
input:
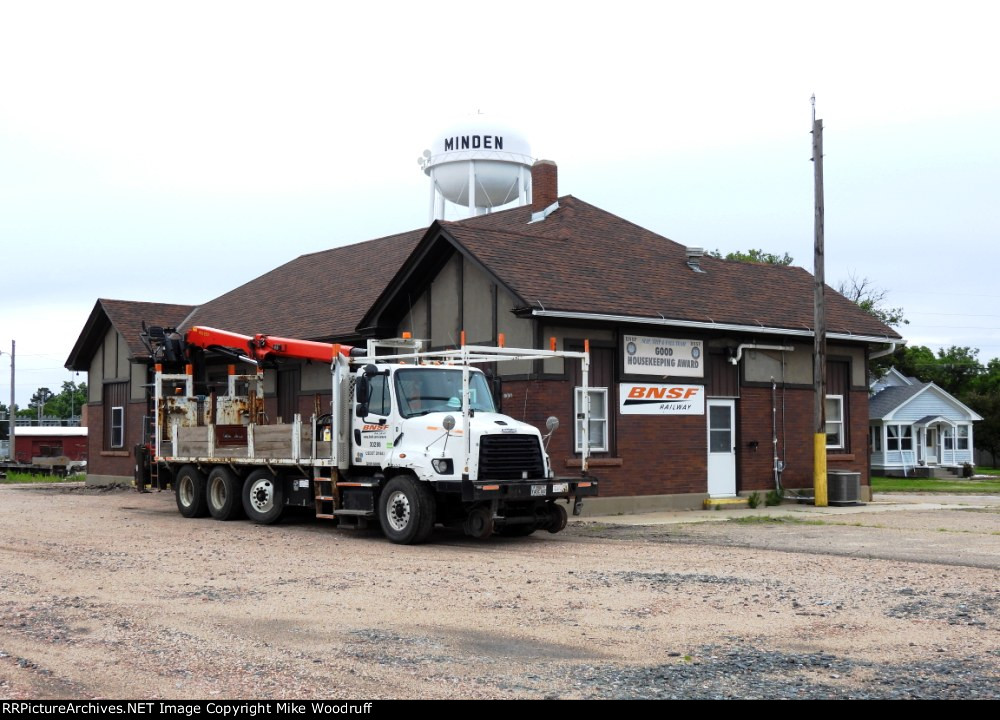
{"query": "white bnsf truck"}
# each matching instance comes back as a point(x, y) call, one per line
point(408, 439)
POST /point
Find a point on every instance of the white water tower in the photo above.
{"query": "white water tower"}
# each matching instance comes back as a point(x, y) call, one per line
point(480, 164)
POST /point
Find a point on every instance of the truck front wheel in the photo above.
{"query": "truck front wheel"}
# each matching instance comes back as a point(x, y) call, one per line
point(406, 510)
point(189, 490)
point(263, 497)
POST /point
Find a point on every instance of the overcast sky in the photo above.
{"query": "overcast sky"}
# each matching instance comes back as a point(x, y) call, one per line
point(172, 151)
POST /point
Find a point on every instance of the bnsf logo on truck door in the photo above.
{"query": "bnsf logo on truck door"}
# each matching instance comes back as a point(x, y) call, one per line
point(645, 399)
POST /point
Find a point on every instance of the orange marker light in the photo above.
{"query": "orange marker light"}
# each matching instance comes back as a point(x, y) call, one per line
point(231, 369)
point(491, 487)
point(500, 340)
point(189, 369)
point(463, 338)
point(552, 343)
point(407, 335)
point(586, 346)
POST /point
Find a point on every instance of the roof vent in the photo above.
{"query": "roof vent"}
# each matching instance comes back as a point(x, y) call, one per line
point(694, 258)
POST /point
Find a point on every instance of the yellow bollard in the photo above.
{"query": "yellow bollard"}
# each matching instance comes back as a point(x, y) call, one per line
point(819, 469)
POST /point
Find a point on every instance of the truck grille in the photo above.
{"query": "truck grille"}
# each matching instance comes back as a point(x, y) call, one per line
point(508, 457)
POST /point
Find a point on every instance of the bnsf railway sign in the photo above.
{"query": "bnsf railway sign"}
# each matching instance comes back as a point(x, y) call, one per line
point(645, 399)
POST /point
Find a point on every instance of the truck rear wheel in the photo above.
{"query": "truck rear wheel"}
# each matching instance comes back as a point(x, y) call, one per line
point(222, 493)
point(406, 510)
point(263, 497)
point(189, 490)
point(558, 519)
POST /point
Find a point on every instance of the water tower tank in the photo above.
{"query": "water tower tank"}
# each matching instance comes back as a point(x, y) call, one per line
point(481, 164)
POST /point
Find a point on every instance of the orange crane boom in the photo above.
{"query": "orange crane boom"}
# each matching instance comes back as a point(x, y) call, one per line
point(261, 347)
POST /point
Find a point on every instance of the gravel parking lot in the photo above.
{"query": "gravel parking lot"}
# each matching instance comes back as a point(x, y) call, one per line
point(111, 594)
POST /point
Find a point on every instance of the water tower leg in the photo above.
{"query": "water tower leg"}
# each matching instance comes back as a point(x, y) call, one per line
point(434, 193)
point(472, 188)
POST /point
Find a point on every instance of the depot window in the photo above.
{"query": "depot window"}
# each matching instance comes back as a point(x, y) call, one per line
point(834, 422)
point(598, 431)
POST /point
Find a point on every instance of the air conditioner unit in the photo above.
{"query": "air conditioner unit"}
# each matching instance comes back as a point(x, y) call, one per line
point(843, 487)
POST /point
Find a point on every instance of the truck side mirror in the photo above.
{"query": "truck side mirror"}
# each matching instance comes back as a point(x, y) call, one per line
point(362, 393)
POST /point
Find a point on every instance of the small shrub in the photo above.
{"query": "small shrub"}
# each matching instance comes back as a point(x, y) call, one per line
point(968, 470)
point(753, 499)
point(774, 497)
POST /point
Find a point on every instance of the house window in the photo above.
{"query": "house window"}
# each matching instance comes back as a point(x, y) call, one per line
point(598, 432)
point(958, 439)
point(876, 432)
point(900, 437)
point(962, 442)
point(117, 427)
point(835, 421)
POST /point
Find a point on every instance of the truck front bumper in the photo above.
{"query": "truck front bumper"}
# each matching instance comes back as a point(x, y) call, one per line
point(525, 490)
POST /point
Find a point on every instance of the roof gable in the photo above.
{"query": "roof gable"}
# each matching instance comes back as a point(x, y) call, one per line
point(126, 316)
point(319, 296)
point(886, 404)
point(584, 259)
point(893, 378)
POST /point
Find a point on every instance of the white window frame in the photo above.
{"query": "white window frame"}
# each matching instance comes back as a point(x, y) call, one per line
point(598, 399)
point(118, 428)
point(903, 433)
point(838, 424)
point(957, 438)
point(876, 432)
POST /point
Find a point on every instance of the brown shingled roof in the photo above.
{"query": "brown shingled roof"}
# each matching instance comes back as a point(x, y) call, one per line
point(126, 316)
point(318, 296)
point(584, 259)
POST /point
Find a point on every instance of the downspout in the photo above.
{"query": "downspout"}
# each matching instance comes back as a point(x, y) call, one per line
point(774, 434)
point(735, 360)
point(882, 353)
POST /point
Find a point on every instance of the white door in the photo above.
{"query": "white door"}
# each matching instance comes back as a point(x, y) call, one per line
point(931, 454)
point(721, 448)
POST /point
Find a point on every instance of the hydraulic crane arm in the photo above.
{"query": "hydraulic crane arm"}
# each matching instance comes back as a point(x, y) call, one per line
point(260, 347)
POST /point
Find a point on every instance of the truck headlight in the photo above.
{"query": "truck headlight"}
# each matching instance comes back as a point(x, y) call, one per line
point(443, 466)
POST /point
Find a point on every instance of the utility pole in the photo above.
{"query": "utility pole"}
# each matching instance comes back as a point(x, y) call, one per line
point(819, 314)
point(11, 416)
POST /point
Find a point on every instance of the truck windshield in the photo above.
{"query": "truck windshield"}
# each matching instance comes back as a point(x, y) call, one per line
point(426, 390)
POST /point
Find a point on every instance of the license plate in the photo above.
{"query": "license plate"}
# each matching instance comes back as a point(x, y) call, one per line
point(538, 490)
point(560, 487)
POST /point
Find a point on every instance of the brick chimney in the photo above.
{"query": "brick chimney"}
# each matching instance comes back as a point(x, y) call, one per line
point(544, 185)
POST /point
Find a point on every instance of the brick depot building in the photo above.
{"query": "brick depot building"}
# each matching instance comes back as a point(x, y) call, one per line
point(701, 368)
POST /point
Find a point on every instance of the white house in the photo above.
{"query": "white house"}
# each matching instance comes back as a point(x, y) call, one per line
point(916, 427)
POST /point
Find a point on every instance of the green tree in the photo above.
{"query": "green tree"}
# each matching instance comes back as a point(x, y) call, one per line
point(955, 369)
point(987, 431)
point(755, 256)
point(872, 300)
point(69, 401)
point(39, 399)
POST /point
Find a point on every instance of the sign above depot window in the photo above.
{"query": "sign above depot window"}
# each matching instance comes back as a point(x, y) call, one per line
point(663, 356)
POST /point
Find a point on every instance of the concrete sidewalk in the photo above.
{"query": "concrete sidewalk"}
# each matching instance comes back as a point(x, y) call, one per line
point(886, 502)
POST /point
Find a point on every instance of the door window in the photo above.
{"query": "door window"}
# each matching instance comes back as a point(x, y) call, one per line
point(720, 432)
